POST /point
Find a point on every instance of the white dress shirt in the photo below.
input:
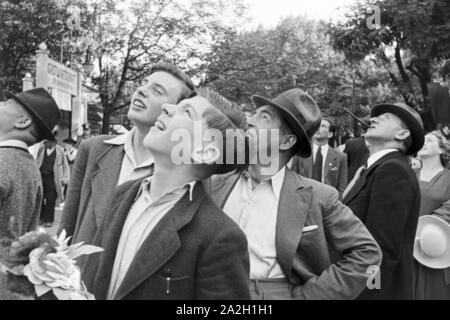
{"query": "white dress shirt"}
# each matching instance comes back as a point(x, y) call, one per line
point(144, 215)
point(130, 170)
point(50, 151)
point(324, 151)
point(14, 143)
point(377, 156)
point(255, 211)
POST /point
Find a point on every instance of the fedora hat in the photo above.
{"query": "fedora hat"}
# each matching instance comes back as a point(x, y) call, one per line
point(301, 113)
point(43, 108)
point(432, 246)
point(410, 117)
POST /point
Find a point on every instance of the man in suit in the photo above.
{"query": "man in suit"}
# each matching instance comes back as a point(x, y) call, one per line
point(385, 195)
point(163, 236)
point(105, 162)
point(326, 165)
point(357, 154)
point(55, 173)
point(26, 119)
point(291, 221)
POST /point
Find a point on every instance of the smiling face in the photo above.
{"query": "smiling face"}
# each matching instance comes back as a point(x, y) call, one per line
point(157, 89)
point(431, 148)
point(184, 116)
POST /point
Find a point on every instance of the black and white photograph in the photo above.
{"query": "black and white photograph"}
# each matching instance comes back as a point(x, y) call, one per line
point(222, 153)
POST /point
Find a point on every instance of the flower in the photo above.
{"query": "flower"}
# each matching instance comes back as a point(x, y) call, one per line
point(54, 270)
point(49, 264)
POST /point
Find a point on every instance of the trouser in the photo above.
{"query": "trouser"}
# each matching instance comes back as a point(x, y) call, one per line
point(270, 289)
point(49, 200)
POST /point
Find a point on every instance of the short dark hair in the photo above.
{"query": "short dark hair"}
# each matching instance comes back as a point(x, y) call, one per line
point(332, 128)
point(177, 73)
point(225, 115)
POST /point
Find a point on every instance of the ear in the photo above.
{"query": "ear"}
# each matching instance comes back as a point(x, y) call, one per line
point(402, 135)
point(288, 141)
point(330, 135)
point(22, 123)
point(206, 155)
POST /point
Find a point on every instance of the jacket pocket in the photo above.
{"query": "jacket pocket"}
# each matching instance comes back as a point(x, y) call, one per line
point(174, 285)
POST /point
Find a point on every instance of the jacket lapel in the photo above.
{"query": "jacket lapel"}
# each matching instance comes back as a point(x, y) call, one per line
point(111, 231)
point(363, 178)
point(330, 161)
point(293, 209)
point(162, 243)
point(109, 164)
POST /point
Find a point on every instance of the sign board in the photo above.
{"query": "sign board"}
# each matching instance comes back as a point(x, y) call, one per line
point(61, 78)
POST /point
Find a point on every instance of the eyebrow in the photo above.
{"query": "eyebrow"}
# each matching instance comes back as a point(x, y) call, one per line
point(160, 86)
point(189, 106)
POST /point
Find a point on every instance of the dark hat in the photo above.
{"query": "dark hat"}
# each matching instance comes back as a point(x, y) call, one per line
point(410, 117)
point(40, 104)
point(300, 111)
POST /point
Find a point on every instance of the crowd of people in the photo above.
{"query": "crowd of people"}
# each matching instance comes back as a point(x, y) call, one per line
point(358, 222)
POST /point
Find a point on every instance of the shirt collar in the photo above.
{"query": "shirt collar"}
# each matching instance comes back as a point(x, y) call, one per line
point(123, 139)
point(126, 140)
point(276, 181)
point(14, 143)
point(324, 148)
point(378, 155)
point(145, 188)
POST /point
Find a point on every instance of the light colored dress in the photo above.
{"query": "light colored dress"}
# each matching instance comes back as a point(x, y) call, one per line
point(432, 284)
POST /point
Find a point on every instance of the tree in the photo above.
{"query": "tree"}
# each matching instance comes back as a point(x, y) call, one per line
point(414, 36)
point(129, 39)
point(25, 24)
point(296, 53)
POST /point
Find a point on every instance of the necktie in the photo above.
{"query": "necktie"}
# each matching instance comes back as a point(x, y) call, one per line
point(352, 183)
point(317, 169)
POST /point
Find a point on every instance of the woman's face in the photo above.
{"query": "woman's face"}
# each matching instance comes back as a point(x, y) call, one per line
point(431, 147)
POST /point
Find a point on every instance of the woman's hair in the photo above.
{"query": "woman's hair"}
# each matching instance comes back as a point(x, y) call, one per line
point(444, 144)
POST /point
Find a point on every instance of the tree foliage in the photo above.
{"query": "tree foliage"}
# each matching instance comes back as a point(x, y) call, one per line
point(412, 43)
point(24, 25)
point(296, 53)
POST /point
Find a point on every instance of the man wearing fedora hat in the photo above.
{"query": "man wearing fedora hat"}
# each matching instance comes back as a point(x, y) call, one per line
point(385, 195)
point(26, 119)
point(291, 221)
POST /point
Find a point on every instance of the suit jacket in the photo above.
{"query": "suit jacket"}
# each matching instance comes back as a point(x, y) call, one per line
point(60, 168)
point(94, 178)
point(335, 170)
point(195, 244)
point(357, 154)
point(304, 257)
point(387, 200)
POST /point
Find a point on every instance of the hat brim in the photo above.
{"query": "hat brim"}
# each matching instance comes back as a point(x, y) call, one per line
point(417, 134)
point(46, 132)
point(430, 262)
point(304, 143)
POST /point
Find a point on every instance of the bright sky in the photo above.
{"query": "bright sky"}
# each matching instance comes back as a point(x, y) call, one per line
point(270, 12)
